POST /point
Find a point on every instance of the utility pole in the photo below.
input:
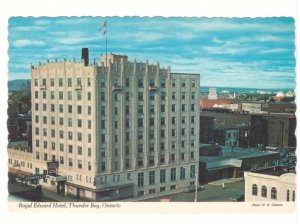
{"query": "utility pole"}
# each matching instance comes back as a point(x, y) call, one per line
point(196, 187)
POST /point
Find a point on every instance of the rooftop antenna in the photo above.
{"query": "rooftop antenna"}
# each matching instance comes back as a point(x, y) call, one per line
point(104, 26)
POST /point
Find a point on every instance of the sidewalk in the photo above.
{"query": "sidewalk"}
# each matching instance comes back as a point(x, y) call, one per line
point(149, 196)
point(53, 196)
point(225, 181)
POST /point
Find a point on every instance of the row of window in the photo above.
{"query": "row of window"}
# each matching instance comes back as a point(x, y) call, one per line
point(140, 161)
point(62, 161)
point(140, 82)
point(140, 96)
point(264, 192)
point(69, 122)
point(61, 136)
point(162, 175)
point(78, 81)
point(61, 95)
point(60, 108)
point(62, 149)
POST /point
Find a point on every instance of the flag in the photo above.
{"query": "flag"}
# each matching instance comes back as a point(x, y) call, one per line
point(103, 25)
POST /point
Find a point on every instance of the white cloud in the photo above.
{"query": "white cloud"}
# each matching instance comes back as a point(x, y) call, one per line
point(42, 22)
point(73, 20)
point(24, 42)
point(28, 28)
point(274, 50)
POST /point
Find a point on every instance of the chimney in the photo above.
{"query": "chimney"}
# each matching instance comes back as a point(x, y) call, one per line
point(85, 56)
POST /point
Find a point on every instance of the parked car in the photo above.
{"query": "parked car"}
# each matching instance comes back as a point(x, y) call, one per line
point(192, 188)
point(237, 197)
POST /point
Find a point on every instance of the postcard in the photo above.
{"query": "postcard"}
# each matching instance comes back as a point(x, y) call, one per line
point(183, 115)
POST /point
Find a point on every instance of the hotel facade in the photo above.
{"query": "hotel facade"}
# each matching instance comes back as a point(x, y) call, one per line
point(116, 130)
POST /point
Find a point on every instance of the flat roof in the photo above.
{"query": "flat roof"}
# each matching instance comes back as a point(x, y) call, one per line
point(276, 171)
point(236, 153)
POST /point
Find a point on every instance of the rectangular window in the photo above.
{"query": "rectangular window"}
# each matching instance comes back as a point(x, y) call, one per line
point(163, 95)
point(69, 82)
point(51, 82)
point(162, 176)
point(52, 95)
point(61, 121)
point(103, 96)
point(60, 95)
point(173, 174)
point(182, 173)
point(151, 177)
point(162, 108)
point(61, 108)
point(193, 171)
point(140, 96)
point(79, 123)
point(70, 109)
point(69, 122)
point(162, 83)
point(36, 82)
point(173, 82)
point(52, 108)
point(89, 95)
point(78, 109)
point(70, 162)
point(88, 81)
point(90, 110)
point(70, 135)
point(61, 147)
point(70, 148)
point(78, 81)
point(89, 152)
point(140, 179)
point(162, 121)
point(193, 82)
point(79, 136)
point(78, 95)
point(183, 95)
point(140, 83)
point(60, 82)
point(79, 164)
point(69, 95)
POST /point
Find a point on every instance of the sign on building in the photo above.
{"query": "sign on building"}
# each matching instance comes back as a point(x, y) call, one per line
point(52, 167)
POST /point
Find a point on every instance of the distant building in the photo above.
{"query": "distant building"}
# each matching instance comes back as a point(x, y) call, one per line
point(12, 122)
point(281, 129)
point(215, 103)
point(231, 162)
point(279, 107)
point(206, 129)
point(273, 185)
point(212, 94)
point(253, 107)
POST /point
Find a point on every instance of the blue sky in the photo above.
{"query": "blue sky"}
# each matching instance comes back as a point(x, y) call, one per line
point(227, 52)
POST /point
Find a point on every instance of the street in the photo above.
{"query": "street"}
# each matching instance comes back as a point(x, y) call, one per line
point(212, 193)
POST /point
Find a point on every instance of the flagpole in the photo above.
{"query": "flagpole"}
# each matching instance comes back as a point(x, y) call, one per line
point(106, 42)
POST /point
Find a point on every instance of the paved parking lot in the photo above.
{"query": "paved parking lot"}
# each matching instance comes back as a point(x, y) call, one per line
point(213, 193)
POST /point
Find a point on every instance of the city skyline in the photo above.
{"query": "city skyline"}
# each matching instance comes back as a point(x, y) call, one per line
point(220, 49)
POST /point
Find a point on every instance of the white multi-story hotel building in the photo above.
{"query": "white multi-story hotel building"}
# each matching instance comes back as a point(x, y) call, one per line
point(118, 129)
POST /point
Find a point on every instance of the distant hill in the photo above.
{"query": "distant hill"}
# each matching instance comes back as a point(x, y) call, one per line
point(19, 85)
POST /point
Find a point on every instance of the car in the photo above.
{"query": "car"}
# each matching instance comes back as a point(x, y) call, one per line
point(237, 197)
point(192, 189)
